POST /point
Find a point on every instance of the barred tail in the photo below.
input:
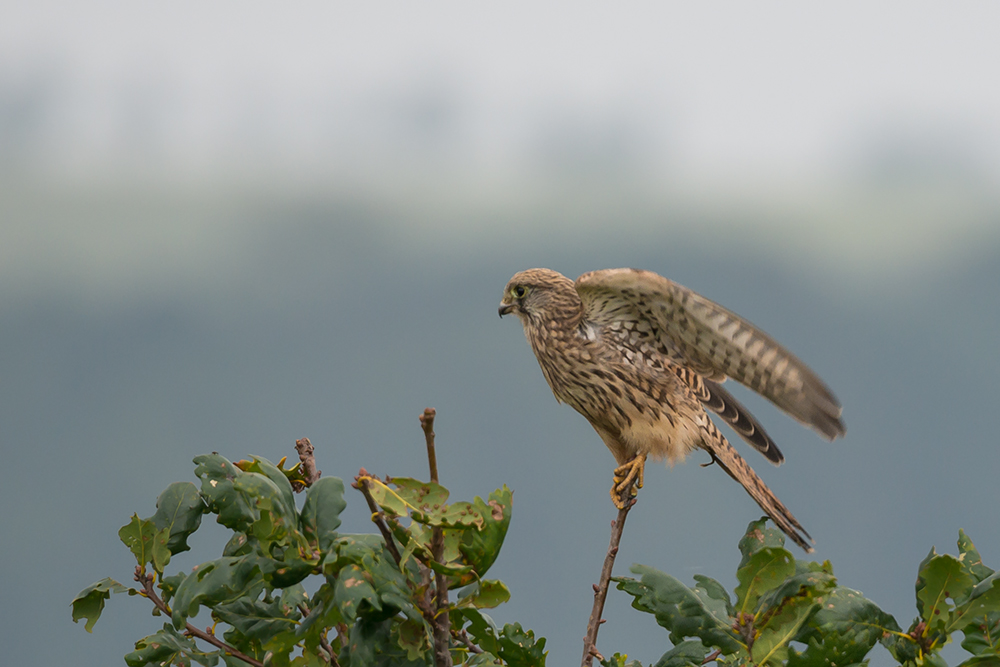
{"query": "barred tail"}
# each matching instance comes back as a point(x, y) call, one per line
point(729, 460)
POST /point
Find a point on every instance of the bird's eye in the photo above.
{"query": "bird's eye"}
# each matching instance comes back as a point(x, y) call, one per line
point(519, 291)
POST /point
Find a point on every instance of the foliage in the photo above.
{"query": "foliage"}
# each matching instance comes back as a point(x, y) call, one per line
point(290, 590)
point(782, 603)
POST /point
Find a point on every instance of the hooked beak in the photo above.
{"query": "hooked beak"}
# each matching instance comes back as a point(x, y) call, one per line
point(505, 308)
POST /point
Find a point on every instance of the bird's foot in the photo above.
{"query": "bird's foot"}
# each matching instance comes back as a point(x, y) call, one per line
point(628, 480)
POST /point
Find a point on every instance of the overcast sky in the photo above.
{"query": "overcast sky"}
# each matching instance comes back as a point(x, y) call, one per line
point(720, 88)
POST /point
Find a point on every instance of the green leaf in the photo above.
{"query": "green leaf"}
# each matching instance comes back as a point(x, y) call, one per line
point(320, 515)
point(983, 600)
point(352, 590)
point(519, 647)
point(257, 620)
point(481, 628)
point(168, 585)
point(235, 510)
point(764, 569)
point(983, 636)
point(276, 519)
point(217, 582)
point(413, 637)
point(843, 631)
point(690, 653)
point(941, 578)
point(168, 647)
point(681, 610)
point(89, 603)
point(771, 645)
point(278, 477)
point(485, 594)
point(323, 614)
point(758, 536)
point(970, 558)
point(146, 542)
point(481, 547)
point(178, 510)
point(713, 590)
point(981, 661)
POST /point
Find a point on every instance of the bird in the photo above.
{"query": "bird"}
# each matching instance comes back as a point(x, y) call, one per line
point(644, 360)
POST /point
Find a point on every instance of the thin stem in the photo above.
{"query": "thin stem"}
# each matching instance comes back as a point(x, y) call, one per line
point(427, 424)
point(361, 484)
point(147, 585)
point(601, 588)
point(323, 643)
point(441, 621)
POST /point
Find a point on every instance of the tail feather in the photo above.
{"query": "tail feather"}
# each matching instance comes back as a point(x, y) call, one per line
point(722, 403)
point(736, 467)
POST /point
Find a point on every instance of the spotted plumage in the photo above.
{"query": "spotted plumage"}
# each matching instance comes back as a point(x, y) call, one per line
point(642, 358)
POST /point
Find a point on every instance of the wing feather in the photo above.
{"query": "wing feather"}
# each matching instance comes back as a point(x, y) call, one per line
point(711, 340)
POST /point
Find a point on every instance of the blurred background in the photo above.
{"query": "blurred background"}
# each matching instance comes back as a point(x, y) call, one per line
point(227, 226)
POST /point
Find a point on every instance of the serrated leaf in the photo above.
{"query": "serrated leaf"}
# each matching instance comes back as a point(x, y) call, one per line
point(972, 562)
point(320, 516)
point(681, 610)
point(351, 590)
point(278, 477)
point(235, 509)
point(713, 590)
point(843, 630)
point(276, 519)
point(982, 637)
point(168, 585)
point(689, 653)
point(216, 582)
point(257, 620)
point(481, 546)
point(168, 647)
point(413, 638)
point(519, 647)
point(758, 536)
point(424, 496)
point(178, 510)
point(771, 645)
point(146, 542)
point(941, 578)
point(981, 661)
point(984, 599)
point(89, 603)
point(765, 569)
point(485, 594)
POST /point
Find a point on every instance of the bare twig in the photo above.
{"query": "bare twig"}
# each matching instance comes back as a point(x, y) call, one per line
point(361, 484)
point(441, 622)
point(601, 588)
point(427, 424)
point(711, 656)
point(150, 592)
point(309, 471)
point(463, 637)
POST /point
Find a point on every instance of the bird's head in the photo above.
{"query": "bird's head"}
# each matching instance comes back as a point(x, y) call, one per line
point(540, 294)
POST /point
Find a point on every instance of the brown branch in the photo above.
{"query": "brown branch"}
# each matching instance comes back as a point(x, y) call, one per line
point(361, 484)
point(427, 424)
point(310, 473)
point(601, 588)
point(441, 621)
point(147, 585)
point(463, 637)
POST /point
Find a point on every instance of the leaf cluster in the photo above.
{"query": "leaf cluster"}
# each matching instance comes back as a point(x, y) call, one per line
point(792, 612)
point(290, 590)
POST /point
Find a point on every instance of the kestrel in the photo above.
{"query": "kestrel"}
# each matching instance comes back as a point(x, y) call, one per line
point(642, 357)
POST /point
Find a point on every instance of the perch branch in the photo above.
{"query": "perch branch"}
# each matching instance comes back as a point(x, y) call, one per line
point(310, 473)
point(146, 580)
point(441, 621)
point(361, 484)
point(601, 588)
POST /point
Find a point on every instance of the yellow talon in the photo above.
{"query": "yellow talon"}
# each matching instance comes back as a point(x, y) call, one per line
point(628, 478)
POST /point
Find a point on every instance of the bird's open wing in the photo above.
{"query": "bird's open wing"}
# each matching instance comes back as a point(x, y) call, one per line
point(709, 339)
